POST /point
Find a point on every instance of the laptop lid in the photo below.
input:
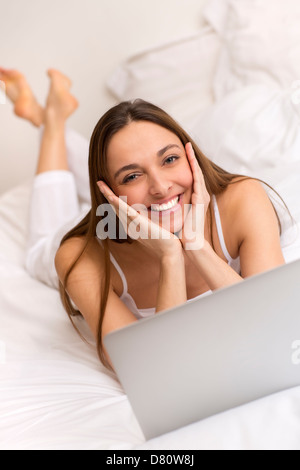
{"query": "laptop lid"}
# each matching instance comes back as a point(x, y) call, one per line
point(211, 354)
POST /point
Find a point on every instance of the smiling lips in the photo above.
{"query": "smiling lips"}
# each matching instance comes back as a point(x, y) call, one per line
point(166, 206)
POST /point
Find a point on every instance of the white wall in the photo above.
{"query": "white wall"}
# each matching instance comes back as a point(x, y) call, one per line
point(86, 39)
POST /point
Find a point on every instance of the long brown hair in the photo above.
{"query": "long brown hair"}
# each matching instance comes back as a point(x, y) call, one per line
point(216, 180)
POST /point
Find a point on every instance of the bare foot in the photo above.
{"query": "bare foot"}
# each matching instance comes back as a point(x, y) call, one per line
point(19, 92)
point(60, 103)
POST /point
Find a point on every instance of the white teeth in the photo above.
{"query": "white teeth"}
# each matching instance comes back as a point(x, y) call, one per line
point(164, 207)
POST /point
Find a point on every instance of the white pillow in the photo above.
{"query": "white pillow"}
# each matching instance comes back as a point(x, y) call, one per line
point(252, 129)
point(177, 77)
point(255, 131)
point(261, 43)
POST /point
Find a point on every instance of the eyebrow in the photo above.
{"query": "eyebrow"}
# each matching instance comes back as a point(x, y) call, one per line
point(135, 166)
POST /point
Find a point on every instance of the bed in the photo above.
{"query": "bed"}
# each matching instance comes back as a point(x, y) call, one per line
point(235, 86)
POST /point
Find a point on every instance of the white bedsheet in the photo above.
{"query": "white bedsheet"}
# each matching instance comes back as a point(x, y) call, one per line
point(54, 393)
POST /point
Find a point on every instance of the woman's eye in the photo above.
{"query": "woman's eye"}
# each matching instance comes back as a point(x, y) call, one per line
point(129, 178)
point(171, 159)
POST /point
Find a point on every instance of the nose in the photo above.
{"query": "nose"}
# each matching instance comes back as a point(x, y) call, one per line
point(159, 185)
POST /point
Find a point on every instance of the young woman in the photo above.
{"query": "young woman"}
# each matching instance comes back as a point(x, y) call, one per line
point(140, 157)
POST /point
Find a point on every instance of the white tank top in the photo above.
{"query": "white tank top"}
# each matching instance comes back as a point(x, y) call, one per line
point(147, 312)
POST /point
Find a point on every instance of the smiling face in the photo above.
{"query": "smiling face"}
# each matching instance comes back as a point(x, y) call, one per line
point(148, 165)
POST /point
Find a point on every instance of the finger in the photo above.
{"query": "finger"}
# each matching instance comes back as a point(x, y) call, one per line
point(106, 191)
point(109, 194)
point(125, 212)
point(192, 159)
point(195, 167)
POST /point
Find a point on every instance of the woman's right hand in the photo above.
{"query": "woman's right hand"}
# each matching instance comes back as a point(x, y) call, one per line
point(140, 227)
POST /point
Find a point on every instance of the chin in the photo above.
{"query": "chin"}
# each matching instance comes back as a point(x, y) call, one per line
point(173, 222)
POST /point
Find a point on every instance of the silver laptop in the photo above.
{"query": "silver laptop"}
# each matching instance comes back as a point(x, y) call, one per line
point(236, 345)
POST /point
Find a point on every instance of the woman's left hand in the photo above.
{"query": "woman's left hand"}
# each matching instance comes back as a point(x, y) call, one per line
point(192, 233)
